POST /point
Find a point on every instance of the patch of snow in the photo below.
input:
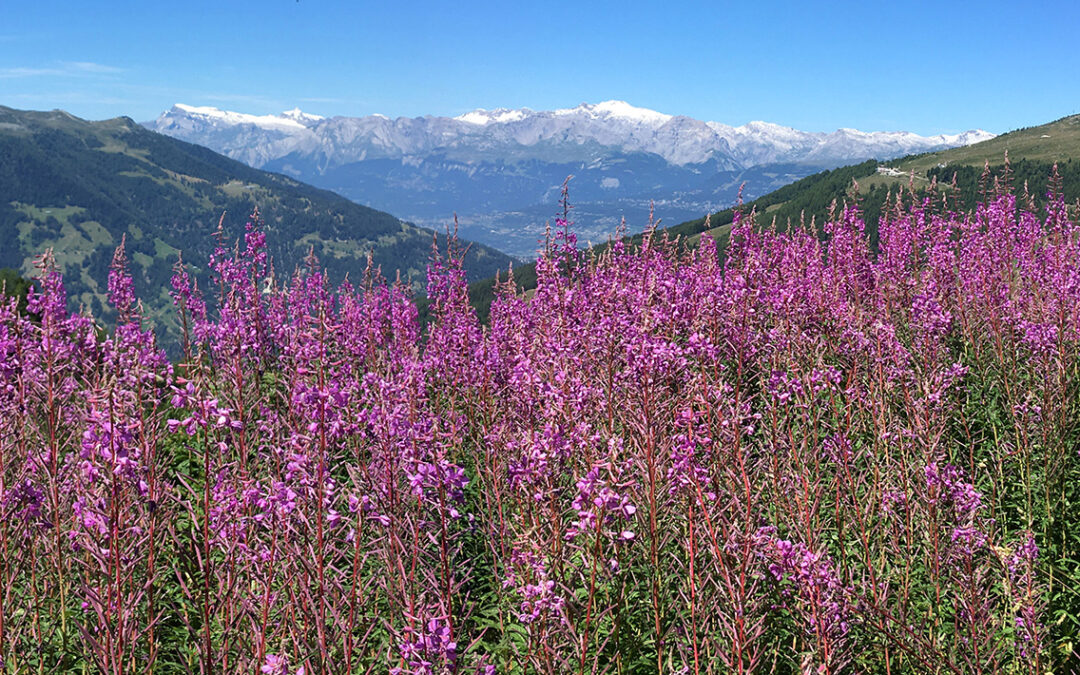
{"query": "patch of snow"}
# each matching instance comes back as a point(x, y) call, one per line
point(233, 118)
point(498, 116)
point(301, 116)
point(618, 110)
point(966, 138)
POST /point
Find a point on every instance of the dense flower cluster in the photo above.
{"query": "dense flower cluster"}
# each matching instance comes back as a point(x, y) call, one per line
point(780, 451)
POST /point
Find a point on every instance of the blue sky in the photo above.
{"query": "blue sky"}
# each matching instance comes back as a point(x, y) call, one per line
point(925, 67)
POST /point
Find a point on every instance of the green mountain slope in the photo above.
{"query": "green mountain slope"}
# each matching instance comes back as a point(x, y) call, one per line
point(1058, 141)
point(79, 186)
point(1032, 154)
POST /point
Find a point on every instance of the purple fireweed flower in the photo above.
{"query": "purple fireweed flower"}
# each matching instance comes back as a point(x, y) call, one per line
point(275, 665)
point(838, 448)
point(894, 503)
point(430, 649)
point(529, 577)
point(111, 445)
point(1024, 555)
point(929, 316)
point(1028, 597)
point(427, 479)
point(90, 514)
point(821, 598)
point(655, 404)
point(1040, 338)
point(25, 501)
point(968, 540)
point(205, 413)
point(537, 599)
point(121, 287)
point(946, 485)
point(47, 298)
point(600, 502)
point(691, 455)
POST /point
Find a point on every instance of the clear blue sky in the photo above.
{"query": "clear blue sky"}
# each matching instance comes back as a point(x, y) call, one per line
point(925, 67)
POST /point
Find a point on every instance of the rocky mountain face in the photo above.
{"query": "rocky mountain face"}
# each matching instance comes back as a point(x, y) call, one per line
point(501, 170)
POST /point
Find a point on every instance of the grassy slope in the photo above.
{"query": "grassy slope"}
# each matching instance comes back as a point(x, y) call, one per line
point(1057, 141)
point(78, 187)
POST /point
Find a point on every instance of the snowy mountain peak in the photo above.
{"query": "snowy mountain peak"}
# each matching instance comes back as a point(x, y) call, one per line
point(497, 116)
point(618, 110)
point(605, 110)
point(209, 114)
point(966, 138)
point(301, 116)
point(758, 125)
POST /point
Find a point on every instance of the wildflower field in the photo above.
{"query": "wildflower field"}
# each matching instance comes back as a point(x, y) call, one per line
point(799, 454)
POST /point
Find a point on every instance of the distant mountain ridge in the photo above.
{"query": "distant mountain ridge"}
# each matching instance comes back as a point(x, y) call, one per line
point(527, 134)
point(501, 170)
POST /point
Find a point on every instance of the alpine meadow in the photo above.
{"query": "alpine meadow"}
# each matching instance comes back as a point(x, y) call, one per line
point(558, 338)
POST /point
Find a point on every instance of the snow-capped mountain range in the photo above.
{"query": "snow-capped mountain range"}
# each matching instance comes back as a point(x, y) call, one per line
point(500, 169)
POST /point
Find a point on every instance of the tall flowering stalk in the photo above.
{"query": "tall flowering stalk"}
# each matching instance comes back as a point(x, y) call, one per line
point(119, 487)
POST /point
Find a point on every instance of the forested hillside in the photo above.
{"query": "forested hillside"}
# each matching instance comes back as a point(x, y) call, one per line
point(78, 187)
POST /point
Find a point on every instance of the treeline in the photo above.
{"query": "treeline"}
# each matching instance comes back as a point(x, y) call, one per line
point(1029, 179)
point(13, 285)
